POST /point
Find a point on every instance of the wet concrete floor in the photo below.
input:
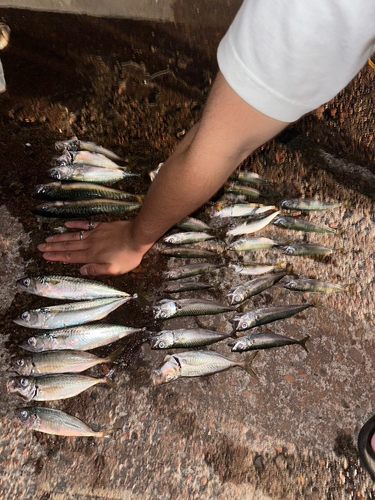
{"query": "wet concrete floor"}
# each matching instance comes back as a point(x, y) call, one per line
point(135, 87)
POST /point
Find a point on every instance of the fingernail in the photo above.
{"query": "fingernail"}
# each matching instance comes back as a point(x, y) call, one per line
point(42, 247)
point(50, 238)
point(84, 271)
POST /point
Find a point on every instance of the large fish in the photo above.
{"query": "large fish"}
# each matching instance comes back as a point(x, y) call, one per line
point(265, 341)
point(74, 313)
point(88, 173)
point(74, 144)
point(196, 364)
point(250, 288)
point(166, 309)
point(85, 208)
point(180, 338)
point(70, 191)
point(53, 387)
point(56, 422)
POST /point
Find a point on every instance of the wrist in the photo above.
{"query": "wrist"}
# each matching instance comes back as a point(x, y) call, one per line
point(138, 242)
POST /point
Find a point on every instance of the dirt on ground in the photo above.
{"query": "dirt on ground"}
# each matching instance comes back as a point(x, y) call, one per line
point(137, 88)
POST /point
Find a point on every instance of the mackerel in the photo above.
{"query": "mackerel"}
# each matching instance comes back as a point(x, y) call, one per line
point(88, 173)
point(85, 208)
point(185, 286)
point(250, 288)
point(191, 224)
point(166, 309)
point(307, 204)
point(252, 227)
point(190, 270)
point(297, 224)
point(188, 253)
point(189, 237)
point(84, 158)
point(70, 191)
point(181, 338)
point(251, 244)
point(243, 190)
point(257, 341)
point(74, 144)
point(242, 210)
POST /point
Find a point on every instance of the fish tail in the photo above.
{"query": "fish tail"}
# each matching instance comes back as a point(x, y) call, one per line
point(280, 266)
point(340, 233)
point(140, 198)
point(107, 432)
point(302, 342)
point(109, 382)
point(247, 365)
point(349, 288)
point(316, 302)
point(115, 355)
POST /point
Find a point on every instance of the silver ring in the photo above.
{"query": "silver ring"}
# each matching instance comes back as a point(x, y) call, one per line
point(91, 226)
point(81, 235)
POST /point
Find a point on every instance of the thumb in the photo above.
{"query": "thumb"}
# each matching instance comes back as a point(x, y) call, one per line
point(96, 269)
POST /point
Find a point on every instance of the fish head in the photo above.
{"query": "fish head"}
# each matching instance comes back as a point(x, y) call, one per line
point(280, 222)
point(170, 275)
point(43, 189)
point(162, 340)
point(244, 321)
point(65, 159)
point(59, 173)
point(291, 285)
point(171, 239)
point(23, 386)
point(171, 370)
point(71, 145)
point(21, 365)
point(26, 285)
point(37, 344)
point(286, 204)
point(239, 345)
point(26, 417)
point(28, 318)
point(236, 296)
point(288, 250)
point(165, 309)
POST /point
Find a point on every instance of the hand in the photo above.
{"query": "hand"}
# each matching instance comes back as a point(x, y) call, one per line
point(107, 249)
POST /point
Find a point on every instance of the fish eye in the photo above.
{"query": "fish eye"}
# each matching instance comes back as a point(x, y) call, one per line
point(20, 362)
point(244, 325)
point(171, 240)
point(24, 414)
point(26, 281)
point(161, 344)
point(32, 341)
point(237, 299)
point(25, 315)
point(23, 382)
point(168, 377)
point(292, 284)
point(163, 314)
point(240, 346)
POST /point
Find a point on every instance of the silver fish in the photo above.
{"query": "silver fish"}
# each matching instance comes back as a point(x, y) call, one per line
point(243, 190)
point(253, 226)
point(256, 269)
point(253, 287)
point(251, 244)
point(196, 364)
point(84, 158)
point(74, 144)
point(265, 341)
point(88, 173)
point(242, 210)
point(253, 178)
point(191, 224)
point(190, 270)
point(266, 315)
point(185, 286)
point(80, 191)
point(297, 224)
point(297, 249)
point(168, 339)
point(56, 422)
point(310, 285)
point(74, 313)
point(64, 361)
point(188, 253)
point(190, 237)
point(53, 387)
point(307, 204)
point(81, 338)
point(166, 309)
point(85, 208)
point(68, 287)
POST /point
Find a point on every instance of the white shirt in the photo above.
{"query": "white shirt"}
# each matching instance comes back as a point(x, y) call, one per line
point(288, 57)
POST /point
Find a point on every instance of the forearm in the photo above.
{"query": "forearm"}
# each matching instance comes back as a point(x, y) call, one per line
point(228, 132)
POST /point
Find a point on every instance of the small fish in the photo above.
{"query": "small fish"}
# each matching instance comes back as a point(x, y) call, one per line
point(71, 191)
point(84, 158)
point(73, 313)
point(190, 270)
point(243, 190)
point(307, 204)
point(265, 341)
point(166, 309)
point(242, 210)
point(64, 361)
point(88, 173)
point(188, 253)
point(74, 144)
point(185, 286)
point(196, 364)
point(68, 287)
point(4, 35)
point(256, 269)
point(81, 338)
point(251, 244)
point(253, 178)
point(155, 172)
point(266, 315)
point(252, 227)
point(84, 208)
point(197, 337)
point(297, 224)
point(310, 285)
point(53, 387)
point(253, 287)
point(297, 249)
point(191, 224)
point(56, 422)
point(190, 237)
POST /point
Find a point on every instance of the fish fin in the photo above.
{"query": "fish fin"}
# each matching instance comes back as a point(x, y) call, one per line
point(280, 266)
point(109, 382)
point(302, 342)
point(142, 300)
point(340, 233)
point(350, 288)
point(289, 270)
point(140, 198)
point(247, 364)
point(316, 302)
point(115, 355)
point(108, 432)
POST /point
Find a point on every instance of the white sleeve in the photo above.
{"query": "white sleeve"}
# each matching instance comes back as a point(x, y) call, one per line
point(288, 57)
point(2, 79)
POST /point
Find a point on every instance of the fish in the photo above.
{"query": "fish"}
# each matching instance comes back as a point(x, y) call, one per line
point(185, 286)
point(253, 178)
point(188, 253)
point(180, 338)
point(297, 249)
point(252, 227)
point(155, 172)
point(189, 237)
point(251, 244)
point(84, 208)
point(190, 270)
point(310, 285)
point(4, 35)
point(68, 287)
point(191, 224)
point(84, 158)
point(74, 144)
point(53, 387)
point(256, 269)
point(88, 173)
point(196, 364)
point(56, 422)
point(80, 338)
point(307, 204)
point(72, 313)
point(64, 361)
point(166, 309)
point(297, 224)
point(266, 315)
point(241, 210)
point(250, 288)
point(243, 190)
point(265, 341)
point(71, 191)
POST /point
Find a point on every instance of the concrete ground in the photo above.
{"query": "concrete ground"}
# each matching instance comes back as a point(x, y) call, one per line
point(289, 435)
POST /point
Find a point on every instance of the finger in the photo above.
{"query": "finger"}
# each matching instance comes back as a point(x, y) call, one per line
point(81, 224)
point(69, 257)
point(97, 269)
point(76, 236)
point(61, 246)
